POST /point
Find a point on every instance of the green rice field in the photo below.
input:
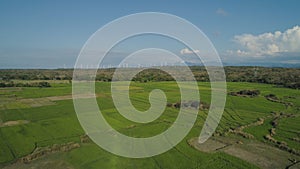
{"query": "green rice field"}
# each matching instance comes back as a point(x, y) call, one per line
point(32, 118)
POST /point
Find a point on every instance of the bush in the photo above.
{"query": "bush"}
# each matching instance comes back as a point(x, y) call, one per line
point(12, 84)
point(44, 84)
point(251, 93)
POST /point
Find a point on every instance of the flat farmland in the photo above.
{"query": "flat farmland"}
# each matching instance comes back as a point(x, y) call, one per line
point(43, 120)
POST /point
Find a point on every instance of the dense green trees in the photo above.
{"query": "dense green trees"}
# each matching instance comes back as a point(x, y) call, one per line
point(286, 77)
point(34, 84)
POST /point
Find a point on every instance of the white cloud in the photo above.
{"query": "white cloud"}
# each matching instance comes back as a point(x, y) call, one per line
point(187, 51)
point(222, 12)
point(268, 44)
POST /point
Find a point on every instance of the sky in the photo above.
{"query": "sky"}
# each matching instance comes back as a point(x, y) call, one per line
point(50, 34)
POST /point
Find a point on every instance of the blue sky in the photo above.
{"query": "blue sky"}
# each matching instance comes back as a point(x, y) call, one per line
point(50, 34)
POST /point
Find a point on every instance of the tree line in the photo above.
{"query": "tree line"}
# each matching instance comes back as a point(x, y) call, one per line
point(34, 84)
point(285, 77)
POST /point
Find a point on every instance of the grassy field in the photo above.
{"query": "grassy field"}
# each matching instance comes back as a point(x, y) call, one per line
point(54, 122)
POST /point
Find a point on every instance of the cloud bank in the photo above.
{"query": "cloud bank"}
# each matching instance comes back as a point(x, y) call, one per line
point(268, 44)
point(188, 51)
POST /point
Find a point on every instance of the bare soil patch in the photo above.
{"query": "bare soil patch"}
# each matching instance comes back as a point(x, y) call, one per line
point(14, 123)
point(37, 102)
point(257, 153)
point(208, 146)
point(14, 103)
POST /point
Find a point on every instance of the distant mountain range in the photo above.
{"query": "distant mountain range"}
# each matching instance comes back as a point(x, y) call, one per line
point(260, 64)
